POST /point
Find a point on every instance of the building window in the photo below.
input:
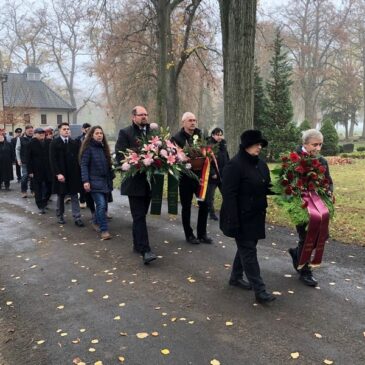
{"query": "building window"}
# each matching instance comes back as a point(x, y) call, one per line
point(26, 118)
point(43, 118)
point(59, 118)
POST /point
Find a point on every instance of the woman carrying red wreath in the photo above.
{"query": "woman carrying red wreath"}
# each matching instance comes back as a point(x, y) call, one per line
point(312, 141)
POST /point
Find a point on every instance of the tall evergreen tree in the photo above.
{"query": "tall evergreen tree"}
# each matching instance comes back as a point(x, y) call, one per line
point(281, 131)
point(260, 119)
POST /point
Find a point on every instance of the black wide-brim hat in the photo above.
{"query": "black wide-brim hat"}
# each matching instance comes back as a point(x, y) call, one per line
point(251, 137)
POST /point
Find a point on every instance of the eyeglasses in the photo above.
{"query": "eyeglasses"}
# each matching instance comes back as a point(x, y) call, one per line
point(191, 120)
point(142, 115)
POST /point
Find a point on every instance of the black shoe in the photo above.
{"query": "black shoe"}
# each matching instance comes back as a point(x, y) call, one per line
point(240, 283)
point(79, 223)
point(192, 239)
point(61, 220)
point(264, 297)
point(136, 250)
point(293, 254)
point(308, 279)
point(148, 257)
point(205, 239)
point(213, 217)
point(41, 211)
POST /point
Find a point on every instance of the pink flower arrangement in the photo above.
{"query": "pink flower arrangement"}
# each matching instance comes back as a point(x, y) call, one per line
point(156, 155)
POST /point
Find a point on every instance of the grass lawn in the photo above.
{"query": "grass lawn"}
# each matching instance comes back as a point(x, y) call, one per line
point(348, 224)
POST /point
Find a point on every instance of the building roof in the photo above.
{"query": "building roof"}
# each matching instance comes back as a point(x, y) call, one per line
point(21, 92)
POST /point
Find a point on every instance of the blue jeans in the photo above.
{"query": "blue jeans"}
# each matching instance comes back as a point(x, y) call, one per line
point(24, 180)
point(101, 200)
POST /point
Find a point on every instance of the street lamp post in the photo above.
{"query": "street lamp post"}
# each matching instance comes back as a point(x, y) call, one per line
point(3, 79)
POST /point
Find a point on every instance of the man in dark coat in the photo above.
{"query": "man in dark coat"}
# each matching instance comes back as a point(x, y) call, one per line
point(18, 133)
point(312, 141)
point(246, 182)
point(21, 152)
point(6, 162)
point(189, 186)
point(215, 178)
point(136, 187)
point(39, 168)
point(65, 167)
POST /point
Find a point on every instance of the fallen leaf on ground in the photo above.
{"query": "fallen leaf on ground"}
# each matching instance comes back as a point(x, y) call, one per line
point(90, 290)
point(318, 335)
point(276, 293)
point(91, 349)
point(191, 280)
point(294, 355)
point(60, 307)
point(63, 334)
point(121, 304)
point(74, 281)
point(77, 361)
point(328, 362)
point(229, 323)
point(116, 318)
point(40, 342)
point(121, 358)
point(76, 341)
point(9, 302)
point(154, 334)
point(165, 351)
point(123, 333)
point(82, 330)
point(105, 296)
point(215, 362)
point(98, 363)
point(142, 335)
point(95, 341)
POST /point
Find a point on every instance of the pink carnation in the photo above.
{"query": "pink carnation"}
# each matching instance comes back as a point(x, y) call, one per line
point(163, 153)
point(171, 159)
point(126, 166)
point(147, 159)
point(133, 158)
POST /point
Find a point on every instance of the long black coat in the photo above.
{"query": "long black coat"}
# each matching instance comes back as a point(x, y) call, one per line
point(128, 139)
point(64, 160)
point(246, 182)
point(6, 161)
point(37, 160)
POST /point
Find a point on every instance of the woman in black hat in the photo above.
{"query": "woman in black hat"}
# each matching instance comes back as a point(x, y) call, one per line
point(246, 182)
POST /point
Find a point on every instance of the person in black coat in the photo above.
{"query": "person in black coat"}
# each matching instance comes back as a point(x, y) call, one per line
point(136, 188)
point(189, 186)
point(18, 133)
point(6, 162)
point(96, 174)
point(246, 183)
point(215, 178)
point(65, 167)
point(39, 168)
point(312, 141)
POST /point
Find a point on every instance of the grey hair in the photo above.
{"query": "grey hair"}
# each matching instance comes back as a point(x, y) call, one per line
point(311, 133)
point(187, 115)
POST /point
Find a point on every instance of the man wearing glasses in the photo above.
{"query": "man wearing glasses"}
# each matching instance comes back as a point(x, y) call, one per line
point(312, 141)
point(188, 186)
point(136, 188)
point(64, 160)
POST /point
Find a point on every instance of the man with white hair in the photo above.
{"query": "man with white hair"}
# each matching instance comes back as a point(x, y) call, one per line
point(189, 186)
point(312, 141)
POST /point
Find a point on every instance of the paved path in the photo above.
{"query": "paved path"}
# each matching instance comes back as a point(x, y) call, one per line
point(64, 286)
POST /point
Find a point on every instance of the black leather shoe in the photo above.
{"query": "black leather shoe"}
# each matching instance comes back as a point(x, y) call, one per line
point(192, 239)
point(61, 220)
point(79, 223)
point(205, 239)
point(264, 297)
point(41, 211)
point(308, 279)
point(293, 254)
point(213, 217)
point(148, 257)
point(240, 283)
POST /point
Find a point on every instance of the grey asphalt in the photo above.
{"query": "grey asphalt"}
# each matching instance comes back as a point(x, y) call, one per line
point(56, 281)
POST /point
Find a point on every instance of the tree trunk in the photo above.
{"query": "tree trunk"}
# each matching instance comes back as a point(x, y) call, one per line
point(172, 102)
point(238, 21)
point(352, 124)
point(163, 19)
point(363, 84)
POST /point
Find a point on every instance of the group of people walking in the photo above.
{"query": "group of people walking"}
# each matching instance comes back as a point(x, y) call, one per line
point(68, 167)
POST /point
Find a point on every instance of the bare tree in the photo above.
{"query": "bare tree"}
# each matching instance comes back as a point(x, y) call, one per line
point(313, 28)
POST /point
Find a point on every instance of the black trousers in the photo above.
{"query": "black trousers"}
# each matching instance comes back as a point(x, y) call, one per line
point(212, 186)
point(246, 262)
point(42, 192)
point(139, 208)
point(187, 188)
point(302, 233)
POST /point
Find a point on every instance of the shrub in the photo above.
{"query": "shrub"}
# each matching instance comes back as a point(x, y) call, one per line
point(360, 149)
point(330, 138)
point(304, 125)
